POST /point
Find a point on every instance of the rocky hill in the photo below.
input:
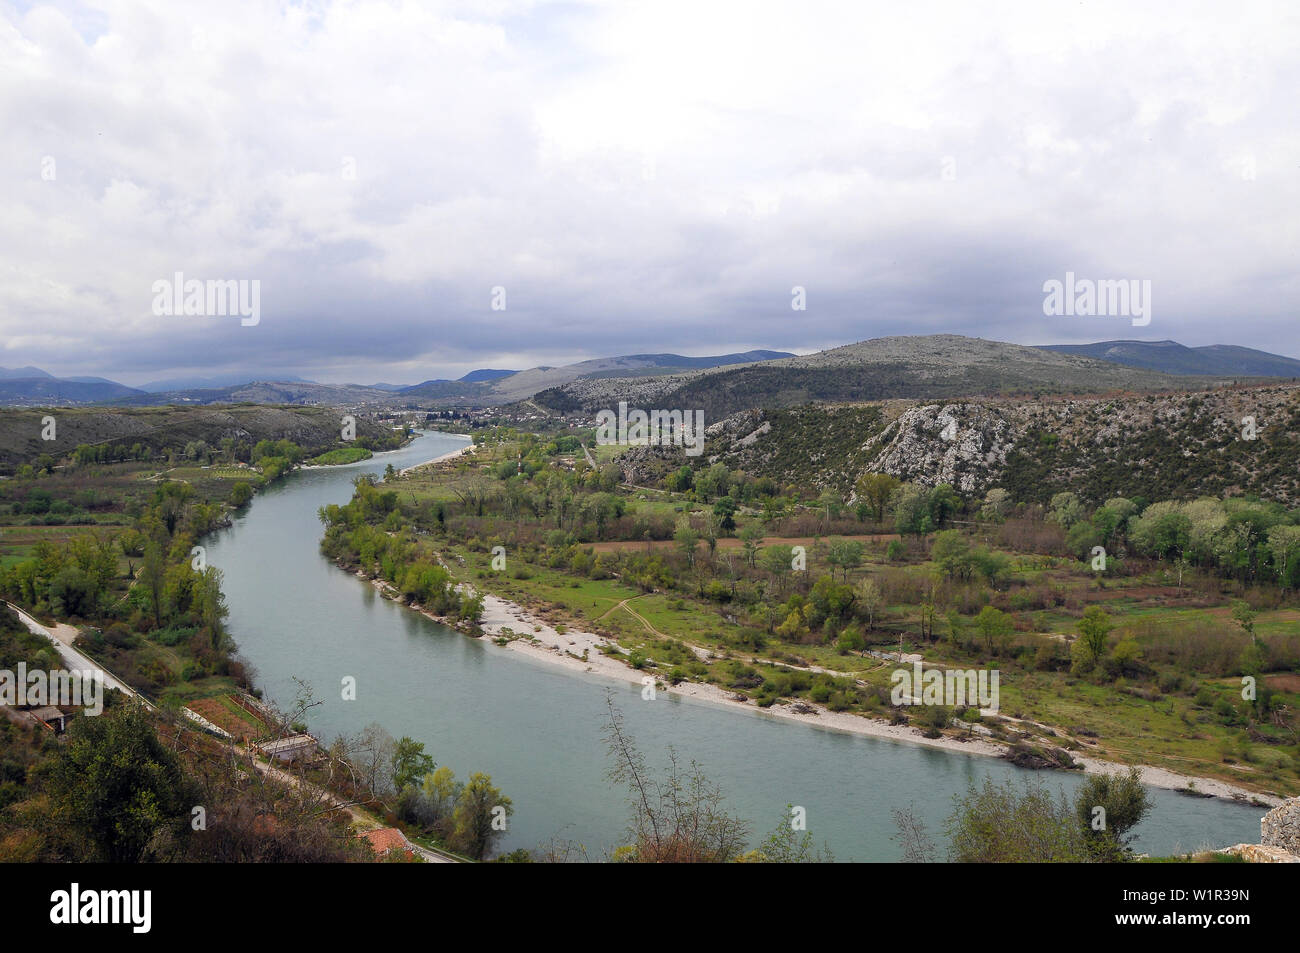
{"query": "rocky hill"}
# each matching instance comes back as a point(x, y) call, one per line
point(928, 367)
point(1152, 445)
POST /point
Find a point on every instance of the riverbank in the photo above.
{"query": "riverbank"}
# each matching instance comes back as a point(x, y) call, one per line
point(515, 629)
point(450, 455)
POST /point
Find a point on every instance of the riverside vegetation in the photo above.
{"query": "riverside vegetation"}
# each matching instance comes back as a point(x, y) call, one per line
point(1142, 658)
point(103, 536)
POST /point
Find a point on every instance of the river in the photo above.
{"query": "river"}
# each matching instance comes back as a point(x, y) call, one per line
point(537, 729)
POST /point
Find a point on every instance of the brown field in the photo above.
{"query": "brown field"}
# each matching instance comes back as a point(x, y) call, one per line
point(216, 711)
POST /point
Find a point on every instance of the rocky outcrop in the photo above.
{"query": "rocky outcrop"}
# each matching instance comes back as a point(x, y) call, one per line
point(1259, 854)
point(1280, 827)
point(960, 444)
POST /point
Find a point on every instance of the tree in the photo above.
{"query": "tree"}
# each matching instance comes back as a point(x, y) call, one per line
point(1093, 628)
point(995, 625)
point(910, 505)
point(114, 786)
point(927, 617)
point(371, 753)
point(1244, 616)
point(1284, 547)
point(1000, 824)
point(1123, 802)
point(1162, 530)
point(776, 560)
point(713, 482)
point(952, 554)
point(830, 503)
point(1066, 509)
point(725, 512)
point(943, 503)
point(1112, 518)
point(844, 555)
point(410, 763)
point(997, 502)
point(687, 538)
point(211, 605)
point(750, 536)
point(870, 599)
point(876, 489)
point(785, 845)
point(1081, 538)
point(153, 575)
point(479, 818)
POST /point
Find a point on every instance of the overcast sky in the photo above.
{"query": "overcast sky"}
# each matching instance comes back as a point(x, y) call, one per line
point(637, 177)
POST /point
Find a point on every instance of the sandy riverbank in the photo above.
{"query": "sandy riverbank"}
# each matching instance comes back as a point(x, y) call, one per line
point(580, 652)
point(446, 456)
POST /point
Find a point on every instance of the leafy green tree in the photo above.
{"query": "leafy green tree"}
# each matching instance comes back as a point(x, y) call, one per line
point(1244, 616)
point(687, 539)
point(876, 489)
point(870, 599)
point(910, 505)
point(1108, 807)
point(410, 763)
point(1081, 538)
point(724, 510)
point(944, 503)
point(114, 786)
point(1004, 824)
point(480, 817)
point(995, 625)
point(844, 555)
point(951, 552)
point(1094, 628)
point(1066, 509)
point(997, 503)
point(153, 577)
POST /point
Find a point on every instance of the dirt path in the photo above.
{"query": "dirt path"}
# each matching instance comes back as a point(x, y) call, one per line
point(360, 819)
point(732, 542)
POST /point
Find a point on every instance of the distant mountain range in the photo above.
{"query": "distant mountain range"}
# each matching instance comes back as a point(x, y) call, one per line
point(933, 365)
point(1170, 357)
point(210, 383)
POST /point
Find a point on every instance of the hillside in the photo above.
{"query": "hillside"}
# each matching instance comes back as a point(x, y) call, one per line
point(1150, 446)
point(920, 367)
point(315, 429)
point(44, 391)
point(526, 384)
point(1170, 357)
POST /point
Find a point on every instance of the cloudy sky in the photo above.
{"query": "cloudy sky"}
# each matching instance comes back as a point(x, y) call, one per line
point(637, 177)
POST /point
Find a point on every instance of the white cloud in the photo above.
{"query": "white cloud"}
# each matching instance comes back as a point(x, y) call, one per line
point(639, 176)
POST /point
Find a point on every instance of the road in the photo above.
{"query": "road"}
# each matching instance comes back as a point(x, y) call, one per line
point(62, 638)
